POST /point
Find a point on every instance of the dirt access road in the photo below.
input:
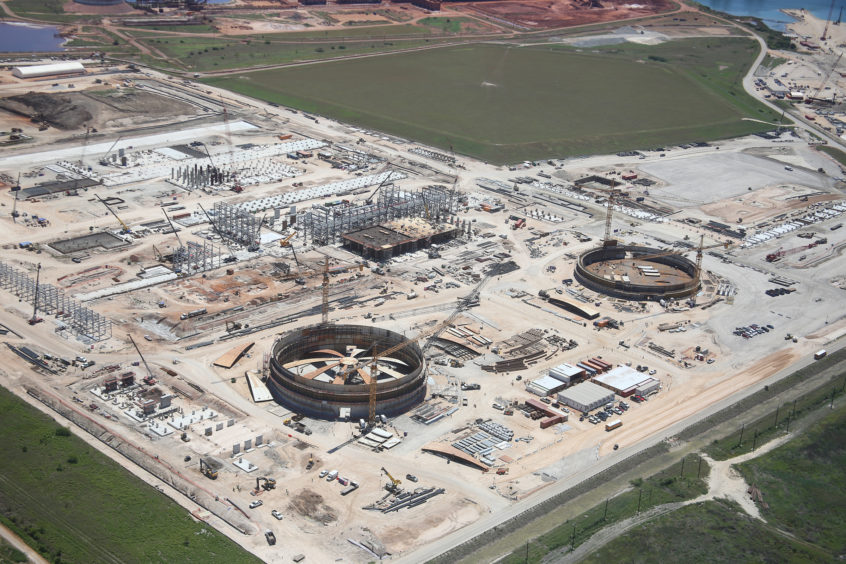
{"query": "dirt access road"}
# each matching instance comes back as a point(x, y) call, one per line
point(10, 537)
point(724, 482)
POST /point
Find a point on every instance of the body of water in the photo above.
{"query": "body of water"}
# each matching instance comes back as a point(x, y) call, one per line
point(768, 10)
point(26, 38)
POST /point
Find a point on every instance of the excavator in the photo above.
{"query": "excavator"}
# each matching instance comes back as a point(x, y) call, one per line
point(394, 484)
point(269, 484)
point(207, 470)
point(310, 464)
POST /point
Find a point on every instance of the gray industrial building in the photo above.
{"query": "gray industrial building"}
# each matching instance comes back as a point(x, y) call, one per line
point(585, 397)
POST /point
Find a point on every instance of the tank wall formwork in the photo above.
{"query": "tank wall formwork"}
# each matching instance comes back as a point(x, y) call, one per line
point(629, 290)
point(323, 400)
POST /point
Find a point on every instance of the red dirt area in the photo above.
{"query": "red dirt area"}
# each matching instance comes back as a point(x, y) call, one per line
point(552, 14)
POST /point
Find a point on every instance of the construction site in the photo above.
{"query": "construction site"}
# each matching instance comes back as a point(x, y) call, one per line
point(354, 345)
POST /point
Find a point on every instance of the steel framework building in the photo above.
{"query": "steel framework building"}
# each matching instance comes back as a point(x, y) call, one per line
point(79, 319)
point(197, 257)
point(237, 225)
point(324, 225)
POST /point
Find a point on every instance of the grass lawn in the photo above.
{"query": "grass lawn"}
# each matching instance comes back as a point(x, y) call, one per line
point(447, 25)
point(712, 532)
point(73, 504)
point(508, 104)
point(804, 484)
point(206, 54)
point(777, 422)
point(9, 553)
point(676, 483)
point(834, 152)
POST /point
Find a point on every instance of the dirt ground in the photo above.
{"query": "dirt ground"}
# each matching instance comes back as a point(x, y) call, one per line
point(551, 14)
point(764, 203)
point(96, 109)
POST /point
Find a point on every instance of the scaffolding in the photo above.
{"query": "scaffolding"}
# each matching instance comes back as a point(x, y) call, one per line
point(197, 257)
point(237, 225)
point(78, 319)
point(323, 224)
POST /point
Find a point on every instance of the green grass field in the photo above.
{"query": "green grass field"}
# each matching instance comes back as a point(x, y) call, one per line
point(835, 153)
point(713, 532)
point(73, 504)
point(205, 54)
point(507, 104)
point(676, 483)
point(804, 484)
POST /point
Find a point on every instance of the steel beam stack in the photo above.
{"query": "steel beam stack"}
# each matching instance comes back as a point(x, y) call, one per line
point(79, 319)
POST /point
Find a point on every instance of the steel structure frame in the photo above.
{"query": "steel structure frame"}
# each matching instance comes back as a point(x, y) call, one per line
point(237, 225)
point(197, 257)
point(322, 225)
point(78, 318)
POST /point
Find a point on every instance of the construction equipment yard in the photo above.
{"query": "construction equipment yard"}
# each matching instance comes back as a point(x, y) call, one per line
point(356, 343)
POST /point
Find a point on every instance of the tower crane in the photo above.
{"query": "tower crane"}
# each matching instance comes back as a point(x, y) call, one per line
point(434, 331)
point(35, 319)
point(827, 21)
point(149, 380)
point(124, 228)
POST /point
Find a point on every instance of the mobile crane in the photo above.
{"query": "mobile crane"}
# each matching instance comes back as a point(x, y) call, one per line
point(124, 227)
point(149, 379)
point(393, 486)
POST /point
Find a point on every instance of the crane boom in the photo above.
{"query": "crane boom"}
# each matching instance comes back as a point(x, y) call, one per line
point(463, 303)
point(144, 360)
point(324, 310)
point(172, 228)
point(825, 79)
point(124, 227)
point(35, 319)
point(827, 22)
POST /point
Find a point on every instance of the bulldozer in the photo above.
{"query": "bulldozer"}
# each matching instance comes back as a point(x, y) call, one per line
point(207, 470)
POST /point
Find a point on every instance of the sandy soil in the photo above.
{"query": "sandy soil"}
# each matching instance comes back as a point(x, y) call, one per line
point(546, 14)
point(764, 204)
